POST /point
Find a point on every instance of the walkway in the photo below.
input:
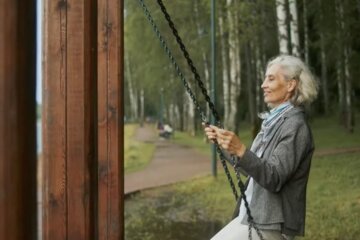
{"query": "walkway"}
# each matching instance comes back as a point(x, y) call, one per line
point(171, 163)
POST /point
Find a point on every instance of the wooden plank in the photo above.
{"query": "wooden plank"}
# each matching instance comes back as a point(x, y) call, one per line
point(77, 113)
point(18, 120)
point(110, 121)
point(68, 122)
point(54, 122)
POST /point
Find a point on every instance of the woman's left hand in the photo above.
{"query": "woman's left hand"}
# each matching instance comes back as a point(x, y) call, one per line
point(229, 141)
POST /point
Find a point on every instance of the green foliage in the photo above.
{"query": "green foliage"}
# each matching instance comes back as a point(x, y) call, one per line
point(256, 26)
point(150, 67)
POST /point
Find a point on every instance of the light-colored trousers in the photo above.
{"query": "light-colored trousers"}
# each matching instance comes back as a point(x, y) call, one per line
point(237, 231)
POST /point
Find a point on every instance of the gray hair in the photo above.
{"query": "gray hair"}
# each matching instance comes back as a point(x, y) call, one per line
point(306, 90)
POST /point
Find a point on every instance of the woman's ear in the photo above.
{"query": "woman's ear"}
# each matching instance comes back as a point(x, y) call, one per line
point(292, 85)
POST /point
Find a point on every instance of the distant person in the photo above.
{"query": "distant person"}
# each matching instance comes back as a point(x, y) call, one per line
point(278, 161)
point(166, 132)
point(168, 128)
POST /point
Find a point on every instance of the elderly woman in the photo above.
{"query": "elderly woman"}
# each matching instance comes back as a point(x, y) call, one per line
point(278, 161)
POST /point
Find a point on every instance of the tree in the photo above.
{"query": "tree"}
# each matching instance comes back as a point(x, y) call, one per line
point(283, 36)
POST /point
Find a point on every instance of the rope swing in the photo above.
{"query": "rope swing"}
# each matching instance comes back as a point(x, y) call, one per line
point(198, 107)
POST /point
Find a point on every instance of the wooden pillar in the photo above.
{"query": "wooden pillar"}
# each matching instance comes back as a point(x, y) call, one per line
point(83, 120)
point(110, 119)
point(17, 120)
point(68, 121)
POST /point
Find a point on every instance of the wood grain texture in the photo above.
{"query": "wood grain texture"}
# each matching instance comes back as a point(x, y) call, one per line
point(110, 119)
point(82, 121)
point(54, 121)
point(18, 120)
point(78, 173)
point(67, 124)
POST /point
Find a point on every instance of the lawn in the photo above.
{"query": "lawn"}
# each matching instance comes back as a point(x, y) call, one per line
point(137, 154)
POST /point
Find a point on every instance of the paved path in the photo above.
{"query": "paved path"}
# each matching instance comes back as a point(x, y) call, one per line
point(171, 163)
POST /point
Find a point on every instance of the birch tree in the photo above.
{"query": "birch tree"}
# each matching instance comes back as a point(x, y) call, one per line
point(131, 90)
point(306, 32)
point(283, 36)
point(142, 106)
point(204, 53)
point(225, 71)
point(294, 29)
point(235, 66)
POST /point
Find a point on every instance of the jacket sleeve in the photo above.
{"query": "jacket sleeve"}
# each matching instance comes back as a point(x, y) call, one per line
point(294, 144)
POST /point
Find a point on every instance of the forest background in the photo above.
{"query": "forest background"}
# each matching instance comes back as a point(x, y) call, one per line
point(248, 33)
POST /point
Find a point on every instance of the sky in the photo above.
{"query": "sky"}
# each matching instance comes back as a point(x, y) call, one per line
point(38, 52)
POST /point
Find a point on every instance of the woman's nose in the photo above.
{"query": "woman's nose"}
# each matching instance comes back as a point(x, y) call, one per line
point(263, 85)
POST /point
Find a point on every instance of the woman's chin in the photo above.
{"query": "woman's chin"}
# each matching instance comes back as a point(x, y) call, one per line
point(269, 104)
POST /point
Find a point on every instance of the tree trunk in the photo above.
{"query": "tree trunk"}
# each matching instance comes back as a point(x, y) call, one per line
point(132, 93)
point(180, 106)
point(348, 100)
point(306, 33)
point(259, 76)
point(206, 66)
point(324, 76)
point(282, 26)
point(224, 38)
point(324, 80)
point(294, 29)
point(249, 81)
point(142, 107)
point(190, 109)
point(340, 73)
point(234, 60)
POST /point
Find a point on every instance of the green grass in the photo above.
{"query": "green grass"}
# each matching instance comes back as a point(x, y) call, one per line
point(137, 154)
point(329, 134)
point(333, 210)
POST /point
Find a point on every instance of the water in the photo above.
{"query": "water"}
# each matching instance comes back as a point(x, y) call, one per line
point(166, 217)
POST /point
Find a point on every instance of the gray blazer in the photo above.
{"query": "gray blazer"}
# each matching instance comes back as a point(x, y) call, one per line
point(281, 174)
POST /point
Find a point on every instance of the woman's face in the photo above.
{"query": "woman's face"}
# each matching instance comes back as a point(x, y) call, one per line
point(276, 88)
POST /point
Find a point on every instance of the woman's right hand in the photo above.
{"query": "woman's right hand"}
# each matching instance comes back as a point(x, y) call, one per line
point(210, 133)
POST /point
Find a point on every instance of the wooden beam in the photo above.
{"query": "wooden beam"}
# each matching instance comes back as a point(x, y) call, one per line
point(83, 120)
point(18, 120)
point(68, 121)
point(110, 119)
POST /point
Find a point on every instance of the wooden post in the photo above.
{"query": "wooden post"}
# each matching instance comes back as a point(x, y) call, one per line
point(83, 120)
point(68, 121)
point(17, 120)
point(110, 119)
